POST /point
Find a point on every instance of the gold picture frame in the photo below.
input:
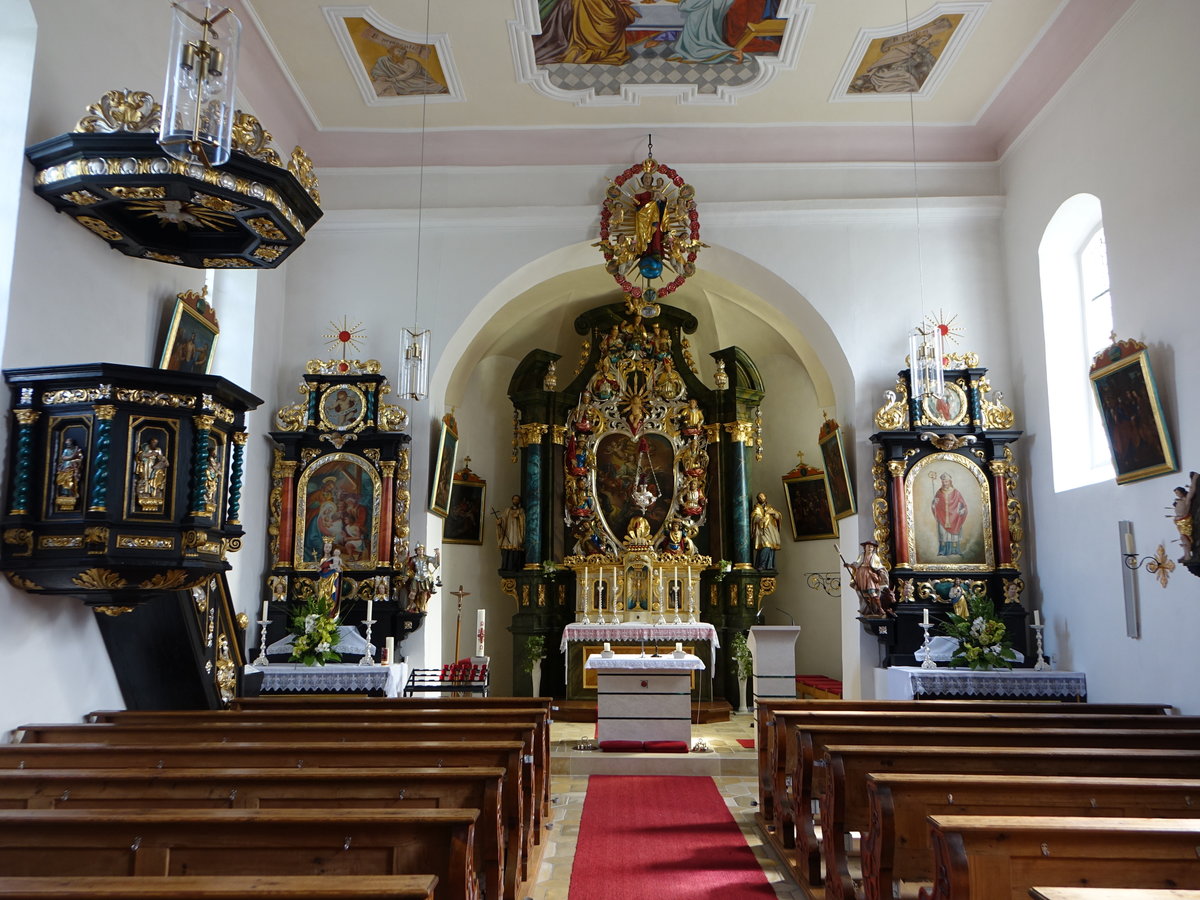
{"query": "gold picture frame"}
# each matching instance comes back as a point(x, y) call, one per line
point(1132, 414)
point(343, 407)
point(442, 476)
point(948, 515)
point(191, 337)
point(837, 469)
point(949, 409)
point(810, 506)
point(468, 499)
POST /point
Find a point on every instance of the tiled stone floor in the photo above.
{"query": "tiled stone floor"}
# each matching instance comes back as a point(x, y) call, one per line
point(569, 785)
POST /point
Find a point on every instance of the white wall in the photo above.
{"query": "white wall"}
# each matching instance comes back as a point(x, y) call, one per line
point(1124, 128)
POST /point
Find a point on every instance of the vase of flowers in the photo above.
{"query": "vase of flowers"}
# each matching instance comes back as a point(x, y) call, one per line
point(314, 633)
point(535, 652)
point(743, 661)
point(983, 641)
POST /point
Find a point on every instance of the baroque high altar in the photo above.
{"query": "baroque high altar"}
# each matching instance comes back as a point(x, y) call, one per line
point(635, 478)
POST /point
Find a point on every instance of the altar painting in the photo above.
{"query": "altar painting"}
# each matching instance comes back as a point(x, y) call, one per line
point(949, 515)
point(341, 505)
point(617, 475)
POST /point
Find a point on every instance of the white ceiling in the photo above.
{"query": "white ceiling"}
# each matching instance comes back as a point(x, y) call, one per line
point(1001, 73)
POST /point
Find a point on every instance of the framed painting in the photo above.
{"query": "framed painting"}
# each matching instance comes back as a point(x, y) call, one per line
point(837, 472)
point(810, 507)
point(1123, 383)
point(338, 499)
point(191, 337)
point(948, 514)
point(464, 522)
point(443, 467)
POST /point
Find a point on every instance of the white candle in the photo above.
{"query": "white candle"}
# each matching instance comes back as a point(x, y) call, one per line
point(1129, 542)
point(480, 632)
point(925, 616)
point(607, 647)
point(370, 608)
point(679, 646)
point(264, 612)
point(1037, 618)
point(389, 649)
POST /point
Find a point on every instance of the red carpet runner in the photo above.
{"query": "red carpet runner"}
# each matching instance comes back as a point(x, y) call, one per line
point(661, 838)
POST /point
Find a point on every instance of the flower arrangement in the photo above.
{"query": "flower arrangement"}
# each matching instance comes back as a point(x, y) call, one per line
point(982, 638)
point(535, 652)
point(739, 649)
point(315, 634)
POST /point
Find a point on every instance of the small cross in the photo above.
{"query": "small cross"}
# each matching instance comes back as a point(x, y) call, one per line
point(460, 593)
point(800, 455)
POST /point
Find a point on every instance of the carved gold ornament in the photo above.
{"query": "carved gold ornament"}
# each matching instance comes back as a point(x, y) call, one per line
point(113, 611)
point(122, 111)
point(995, 414)
point(96, 226)
point(20, 581)
point(20, 537)
point(893, 415)
point(100, 580)
point(165, 581)
point(302, 168)
point(249, 136)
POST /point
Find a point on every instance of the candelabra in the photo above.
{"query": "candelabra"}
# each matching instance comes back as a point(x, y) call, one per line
point(367, 657)
point(262, 642)
point(926, 651)
point(1041, 665)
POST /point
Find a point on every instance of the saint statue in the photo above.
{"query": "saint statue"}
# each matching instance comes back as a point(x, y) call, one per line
point(150, 476)
point(67, 475)
point(329, 580)
point(212, 479)
point(764, 530)
point(423, 580)
point(869, 577)
point(510, 535)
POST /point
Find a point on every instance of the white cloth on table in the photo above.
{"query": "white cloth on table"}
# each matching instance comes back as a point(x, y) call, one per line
point(350, 643)
point(662, 635)
point(628, 661)
point(907, 682)
point(331, 678)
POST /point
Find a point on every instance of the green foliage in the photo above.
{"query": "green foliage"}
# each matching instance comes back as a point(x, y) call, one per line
point(535, 651)
point(315, 633)
point(742, 657)
point(983, 641)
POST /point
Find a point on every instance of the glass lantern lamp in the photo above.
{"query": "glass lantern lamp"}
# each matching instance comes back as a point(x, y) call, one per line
point(414, 368)
point(926, 354)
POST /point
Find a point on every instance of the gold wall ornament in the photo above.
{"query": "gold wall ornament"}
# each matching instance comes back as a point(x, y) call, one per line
point(156, 398)
point(1013, 588)
point(524, 595)
point(116, 111)
point(896, 467)
point(226, 674)
point(141, 542)
point(558, 435)
point(995, 414)
point(531, 434)
point(98, 226)
point(948, 441)
point(269, 253)
point(243, 621)
point(893, 415)
point(82, 198)
point(96, 537)
point(78, 395)
point(585, 350)
point(26, 416)
point(148, 192)
point(302, 168)
point(100, 580)
point(965, 360)
point(768, 585)
point(740, 432)
point(113, 611)
point(213, 262)
point(20, 537)
point(687, 356)
point(392, 417)
point(60, 542)
point(249, 136)
point(293, 417)
point(21, 582)
point(166, 581)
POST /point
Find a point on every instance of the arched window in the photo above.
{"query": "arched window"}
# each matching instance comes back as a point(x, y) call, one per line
point(1077, 317)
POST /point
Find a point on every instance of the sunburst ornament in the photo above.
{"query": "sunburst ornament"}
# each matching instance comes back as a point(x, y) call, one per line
point(946, 327)
point(182, 214)
point(344, 335)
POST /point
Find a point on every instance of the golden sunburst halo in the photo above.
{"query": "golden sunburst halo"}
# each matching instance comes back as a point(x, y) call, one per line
point(345, 335)
point(182, 214)
point(949, 331)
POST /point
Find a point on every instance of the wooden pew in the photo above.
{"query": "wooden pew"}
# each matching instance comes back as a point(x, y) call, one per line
point(896, 846)
point(220, 887)
point(844, 804)
point(330, 789)
point(327, 754)
point(382, 709)
point(772, 768)
point(58, 842)
point(1002, 857)
point(792, 768)
point(295, 732)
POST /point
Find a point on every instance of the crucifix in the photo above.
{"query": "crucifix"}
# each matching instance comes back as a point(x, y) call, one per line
point(460, 593)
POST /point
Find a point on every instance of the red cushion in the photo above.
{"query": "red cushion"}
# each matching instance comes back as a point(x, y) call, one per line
point(666, 747)
point(621, 746)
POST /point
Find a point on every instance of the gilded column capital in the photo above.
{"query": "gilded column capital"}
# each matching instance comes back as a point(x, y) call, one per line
point(740, 432)
point(204, 422)
point(26, 416)
point(239, 438)
point(558, 434)
point(105, 412)
point(530, 434)
point(896, 467)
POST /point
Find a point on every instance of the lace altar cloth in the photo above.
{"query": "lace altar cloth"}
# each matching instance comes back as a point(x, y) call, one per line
point(906, 682)
point(626, 662)
point(349, 678)
point(648, 634)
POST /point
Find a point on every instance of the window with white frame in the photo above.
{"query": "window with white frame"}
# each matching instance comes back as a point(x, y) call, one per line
point(1077, 318)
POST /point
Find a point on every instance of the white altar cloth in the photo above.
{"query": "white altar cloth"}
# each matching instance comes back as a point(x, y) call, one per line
point(332, 678)
point(626, 662)
point(912, 682)
point(650, 634)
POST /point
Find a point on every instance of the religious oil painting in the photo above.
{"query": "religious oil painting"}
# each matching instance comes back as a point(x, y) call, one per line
point(901, 63)
point(837, 471)
point(464, 523)
point(705, 51)
point(1133, 418)
point(339, 499)
point(342, 407)
point(191, 339)
point(620, 464)
point(810, 506)
point(443, 468)
point(393, 65)
point(948, 515)
point(948, 408)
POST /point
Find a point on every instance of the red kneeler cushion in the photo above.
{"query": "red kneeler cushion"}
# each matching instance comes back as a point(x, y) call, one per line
point(621, 746)
point(666, 747)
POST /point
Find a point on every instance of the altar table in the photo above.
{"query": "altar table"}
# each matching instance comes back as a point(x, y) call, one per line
point(644, 698)
point(915, 683)
point(332, 678)
point(580, 641)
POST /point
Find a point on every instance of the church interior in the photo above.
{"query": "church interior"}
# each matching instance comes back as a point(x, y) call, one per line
point(634, 330)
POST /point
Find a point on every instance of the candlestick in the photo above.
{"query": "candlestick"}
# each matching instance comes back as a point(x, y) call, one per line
point(370, 607)
point(1041, 665)
point(925, 617)
point(924, 652)
point(264, 612)
point(1037, 618)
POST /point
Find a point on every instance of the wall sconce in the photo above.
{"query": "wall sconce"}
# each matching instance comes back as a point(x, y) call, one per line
point(829, 582)
point(1159, 564)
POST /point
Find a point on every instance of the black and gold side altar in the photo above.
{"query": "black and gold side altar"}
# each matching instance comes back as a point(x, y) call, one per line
point(635, 482)
point(340, 488)
point(947, 518)
point(124, 489)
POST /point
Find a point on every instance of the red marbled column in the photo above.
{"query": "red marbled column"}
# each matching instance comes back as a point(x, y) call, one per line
point(899, 521)
point(287, 516)
point(1000, 513)
point(385, 515)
